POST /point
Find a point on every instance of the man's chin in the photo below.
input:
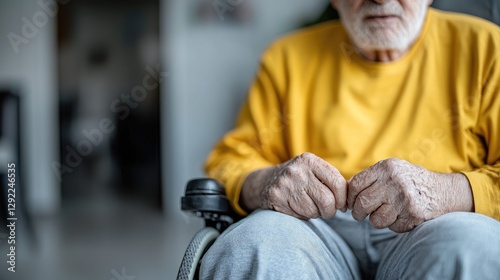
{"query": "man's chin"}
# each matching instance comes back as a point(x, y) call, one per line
point(383, 22)
point(385, 40)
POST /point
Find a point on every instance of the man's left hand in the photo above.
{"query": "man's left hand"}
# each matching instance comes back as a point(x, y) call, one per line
point(400, 195)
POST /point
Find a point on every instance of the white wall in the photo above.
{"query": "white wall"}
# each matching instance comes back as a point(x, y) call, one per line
point(33, 71)
point(211, 67)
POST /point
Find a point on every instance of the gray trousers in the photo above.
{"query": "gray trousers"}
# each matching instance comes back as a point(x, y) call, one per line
point(271, 245)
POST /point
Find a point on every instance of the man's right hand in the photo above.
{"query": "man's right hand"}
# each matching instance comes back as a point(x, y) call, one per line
point(305, 187)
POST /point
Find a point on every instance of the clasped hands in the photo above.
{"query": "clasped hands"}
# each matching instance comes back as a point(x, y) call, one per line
point(394, 193)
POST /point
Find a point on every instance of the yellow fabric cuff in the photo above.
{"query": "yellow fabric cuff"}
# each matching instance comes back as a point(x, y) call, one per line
point(480, 193)
point(235, 196)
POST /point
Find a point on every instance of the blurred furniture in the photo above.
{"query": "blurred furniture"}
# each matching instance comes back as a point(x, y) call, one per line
point(487, 9)
point(205, 198)
point(9, 150)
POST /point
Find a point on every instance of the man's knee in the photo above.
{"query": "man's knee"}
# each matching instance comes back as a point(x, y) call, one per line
point(456, 245)
point(463, 230)
point(259, 237)
point(266, 229)
point(467, 244)
point(272, 245)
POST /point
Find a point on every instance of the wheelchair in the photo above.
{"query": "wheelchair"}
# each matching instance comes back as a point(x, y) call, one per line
point(205, 197)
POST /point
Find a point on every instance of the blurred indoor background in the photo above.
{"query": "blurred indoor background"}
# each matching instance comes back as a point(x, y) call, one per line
point(107, 108)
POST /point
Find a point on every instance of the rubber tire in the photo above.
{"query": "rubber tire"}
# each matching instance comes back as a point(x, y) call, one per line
point(194, 252)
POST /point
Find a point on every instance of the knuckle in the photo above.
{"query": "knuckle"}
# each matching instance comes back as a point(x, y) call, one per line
point(325, 199)
point(406, 197)
point(398, 178)
point(353, 186)
point(313, 213)
point(338, 181)
point(288, 170)
point(273, 195)
point(340, 197)
point(292, 171)
point(308, 209)
point(329, 213)
point(408, 226)
point(307, 158)
point(377, 220)
point(302, 157)
point(362, 202)
point(413, 211)
point(333, 183)
point(279, 183)
point(403, 224)
point(357, 214)
point(390, 165)
point(391, 162)
point(382, 163)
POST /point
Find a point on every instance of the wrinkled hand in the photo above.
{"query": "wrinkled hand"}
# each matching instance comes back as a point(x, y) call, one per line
point(305, 187)
point(397, 194)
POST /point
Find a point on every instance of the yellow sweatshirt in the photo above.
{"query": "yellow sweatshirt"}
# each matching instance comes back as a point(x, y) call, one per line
point(437, 107)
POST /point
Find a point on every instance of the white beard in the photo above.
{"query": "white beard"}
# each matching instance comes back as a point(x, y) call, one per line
point(397, 35)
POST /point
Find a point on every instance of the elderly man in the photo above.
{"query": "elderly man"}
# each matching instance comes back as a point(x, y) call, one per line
point(401, 100)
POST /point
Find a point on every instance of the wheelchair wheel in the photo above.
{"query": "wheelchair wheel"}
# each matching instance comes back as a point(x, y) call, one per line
point(197, 247)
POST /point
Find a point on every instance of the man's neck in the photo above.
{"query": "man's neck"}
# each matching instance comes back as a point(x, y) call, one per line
point(382, 55)
point(386, 55)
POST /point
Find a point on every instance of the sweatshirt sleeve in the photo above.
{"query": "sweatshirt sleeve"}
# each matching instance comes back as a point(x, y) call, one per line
point(485, 181)
point(257, 140)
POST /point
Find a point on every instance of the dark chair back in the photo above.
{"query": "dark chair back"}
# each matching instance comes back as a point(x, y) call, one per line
point(487, 9)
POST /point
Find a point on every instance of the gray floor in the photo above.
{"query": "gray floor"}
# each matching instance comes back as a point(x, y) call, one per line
point(100, 237)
